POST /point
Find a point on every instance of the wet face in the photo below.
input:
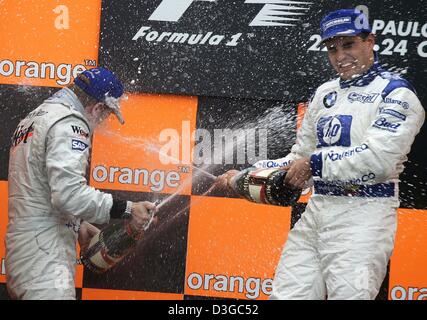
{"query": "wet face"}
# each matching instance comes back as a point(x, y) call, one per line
point(97, 113)
point(350, 56)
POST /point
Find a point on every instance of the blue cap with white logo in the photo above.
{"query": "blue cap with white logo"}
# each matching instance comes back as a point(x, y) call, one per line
point(344, 22)
point(102, 85)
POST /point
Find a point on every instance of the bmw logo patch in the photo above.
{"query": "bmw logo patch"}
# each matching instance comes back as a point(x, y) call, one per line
point(330, 99)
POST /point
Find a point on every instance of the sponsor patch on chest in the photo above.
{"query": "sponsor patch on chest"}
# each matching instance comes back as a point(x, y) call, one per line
point(334, 131)
point(78, 145)
point(362, 97)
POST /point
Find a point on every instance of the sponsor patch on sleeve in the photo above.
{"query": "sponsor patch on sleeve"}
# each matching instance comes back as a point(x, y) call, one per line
point(393, 113)
point(384, 124)
point(77, 130)
point(78, 145)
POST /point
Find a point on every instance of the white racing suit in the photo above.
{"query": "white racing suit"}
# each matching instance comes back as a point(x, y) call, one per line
point(48, 196)
point(358, 134)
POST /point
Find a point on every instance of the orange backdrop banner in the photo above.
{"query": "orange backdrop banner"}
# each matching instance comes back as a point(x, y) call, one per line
point(152, 151)
point(47, 43)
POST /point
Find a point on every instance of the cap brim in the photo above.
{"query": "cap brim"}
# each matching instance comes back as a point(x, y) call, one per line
point(119, 116)
point(346, 33)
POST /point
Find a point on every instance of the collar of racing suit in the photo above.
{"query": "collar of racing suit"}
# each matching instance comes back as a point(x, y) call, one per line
point(67, 97)
point(366, 78)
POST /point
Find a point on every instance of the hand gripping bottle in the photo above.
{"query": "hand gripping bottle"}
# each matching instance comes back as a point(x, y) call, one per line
point(112, 244)
point(264, 186)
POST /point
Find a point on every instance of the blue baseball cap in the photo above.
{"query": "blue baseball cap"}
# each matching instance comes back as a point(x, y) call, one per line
point(344, 22)
point(102, 85)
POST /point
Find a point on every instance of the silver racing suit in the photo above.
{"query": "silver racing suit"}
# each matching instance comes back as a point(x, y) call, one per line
point(48, 197)
point(357, 134)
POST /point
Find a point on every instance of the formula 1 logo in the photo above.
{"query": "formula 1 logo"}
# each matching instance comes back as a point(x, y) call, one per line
point(282, 13)
point(172, 10)
point(279, 13)
point(273, 13)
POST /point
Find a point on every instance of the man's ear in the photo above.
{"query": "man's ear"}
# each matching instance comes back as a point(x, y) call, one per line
point(99, 106)
point(371, 40)
point(96, 109)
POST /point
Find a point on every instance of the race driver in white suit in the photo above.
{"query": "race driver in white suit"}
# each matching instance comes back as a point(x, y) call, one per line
point(353, 141)
point(48, 191)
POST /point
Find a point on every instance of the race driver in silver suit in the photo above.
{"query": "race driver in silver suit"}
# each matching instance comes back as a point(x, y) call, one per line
point(353, 141)
point(48, 191)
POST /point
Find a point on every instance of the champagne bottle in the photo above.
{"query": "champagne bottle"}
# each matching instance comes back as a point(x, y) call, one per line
point(112, 244)
point(265, 186)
